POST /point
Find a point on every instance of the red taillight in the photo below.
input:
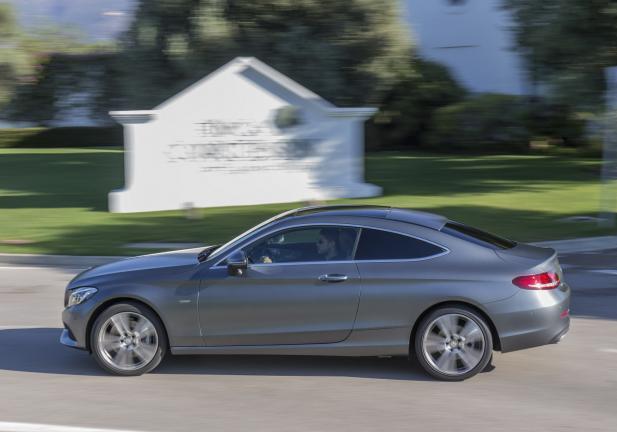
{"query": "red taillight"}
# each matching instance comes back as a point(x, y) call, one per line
point(542, 281)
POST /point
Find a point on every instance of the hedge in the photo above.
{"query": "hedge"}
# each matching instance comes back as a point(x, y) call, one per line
point(61, 137)
point(501, 123)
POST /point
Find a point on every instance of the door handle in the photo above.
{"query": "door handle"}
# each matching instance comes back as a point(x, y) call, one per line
point(332, 278)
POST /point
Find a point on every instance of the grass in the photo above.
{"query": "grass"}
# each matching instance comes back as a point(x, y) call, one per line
point(56, 199)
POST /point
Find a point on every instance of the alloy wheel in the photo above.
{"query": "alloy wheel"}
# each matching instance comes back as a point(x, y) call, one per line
point(128, 341)
point(453, 344)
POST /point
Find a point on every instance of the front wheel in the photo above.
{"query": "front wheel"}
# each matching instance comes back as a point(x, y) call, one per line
point(128, 339)
point(453, 343)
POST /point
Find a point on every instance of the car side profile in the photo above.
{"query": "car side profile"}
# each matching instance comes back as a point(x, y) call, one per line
point(330, 280)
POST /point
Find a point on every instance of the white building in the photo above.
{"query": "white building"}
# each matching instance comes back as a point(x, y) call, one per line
point(472, 38)
point(245, 134)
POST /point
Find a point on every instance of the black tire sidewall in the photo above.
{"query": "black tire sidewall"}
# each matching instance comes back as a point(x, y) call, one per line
point(468, 312)
point(136, 308)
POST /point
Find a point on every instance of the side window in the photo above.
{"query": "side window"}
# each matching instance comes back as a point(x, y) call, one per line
point(384, 245)
point(326, 243)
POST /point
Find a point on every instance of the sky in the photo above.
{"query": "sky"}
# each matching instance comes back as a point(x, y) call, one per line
point(98, 20)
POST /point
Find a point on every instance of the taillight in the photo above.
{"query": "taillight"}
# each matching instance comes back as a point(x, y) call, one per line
point(542, 281)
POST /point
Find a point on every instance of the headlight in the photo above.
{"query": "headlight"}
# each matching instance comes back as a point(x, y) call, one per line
point(80, 295)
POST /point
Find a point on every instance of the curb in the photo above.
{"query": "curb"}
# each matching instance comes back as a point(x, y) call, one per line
point(587, 244)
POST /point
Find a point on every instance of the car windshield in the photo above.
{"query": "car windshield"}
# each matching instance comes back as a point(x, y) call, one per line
point(231, 243)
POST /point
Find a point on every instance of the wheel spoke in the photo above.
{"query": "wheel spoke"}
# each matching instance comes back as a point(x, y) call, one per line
point(145, 352)
point(111, 343)
point(469, 358)
point(474, 336)
point(122, 358)
point(445, 325)
point(434, 343)
point(468, 327)
point(447, 362)
point(142, 326)
point(120, 323)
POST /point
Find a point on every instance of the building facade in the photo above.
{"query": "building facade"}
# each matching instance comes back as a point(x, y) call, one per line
point(473, 39)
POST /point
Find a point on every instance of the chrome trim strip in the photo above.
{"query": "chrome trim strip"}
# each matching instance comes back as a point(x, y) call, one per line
point(316, 225)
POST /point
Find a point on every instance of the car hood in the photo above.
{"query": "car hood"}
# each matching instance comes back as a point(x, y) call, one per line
point(185, 257)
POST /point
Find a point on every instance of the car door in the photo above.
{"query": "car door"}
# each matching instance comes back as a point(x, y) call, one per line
point(289, 294)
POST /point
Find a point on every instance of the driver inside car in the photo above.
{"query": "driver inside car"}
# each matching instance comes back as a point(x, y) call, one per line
point(328, 246)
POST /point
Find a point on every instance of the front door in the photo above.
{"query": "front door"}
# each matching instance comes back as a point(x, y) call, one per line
point(301, 287)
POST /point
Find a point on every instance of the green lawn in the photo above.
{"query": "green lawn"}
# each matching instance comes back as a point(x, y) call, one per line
point(57, 199)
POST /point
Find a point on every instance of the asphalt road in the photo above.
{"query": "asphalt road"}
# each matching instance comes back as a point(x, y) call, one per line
point(571, 386)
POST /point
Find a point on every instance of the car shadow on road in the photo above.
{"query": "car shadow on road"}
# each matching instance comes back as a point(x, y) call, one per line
point(38, 350)
point(395, 368)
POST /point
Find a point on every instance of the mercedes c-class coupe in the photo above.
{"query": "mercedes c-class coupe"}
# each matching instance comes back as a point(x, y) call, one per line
point(330, 280)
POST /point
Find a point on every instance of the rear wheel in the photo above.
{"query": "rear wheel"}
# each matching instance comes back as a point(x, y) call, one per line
point(453, 343)
point(128, 339)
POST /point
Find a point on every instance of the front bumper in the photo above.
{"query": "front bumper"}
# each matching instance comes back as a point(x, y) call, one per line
point(532, 318)
point(75, 320)
point(67, 339)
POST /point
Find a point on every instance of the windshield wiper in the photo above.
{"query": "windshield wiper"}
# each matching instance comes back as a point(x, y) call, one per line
point(204, 254)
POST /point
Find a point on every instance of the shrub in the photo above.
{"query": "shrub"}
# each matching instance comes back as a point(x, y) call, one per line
point(556, 122)
point(406, 112)
point(61, 137)
point(487, 122)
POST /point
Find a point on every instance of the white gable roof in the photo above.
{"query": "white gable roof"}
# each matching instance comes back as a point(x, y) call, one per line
point(239, 65)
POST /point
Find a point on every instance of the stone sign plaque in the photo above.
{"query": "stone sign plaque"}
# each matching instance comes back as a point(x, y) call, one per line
point(244, 134)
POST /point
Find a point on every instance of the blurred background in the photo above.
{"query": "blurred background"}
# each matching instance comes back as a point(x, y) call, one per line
point(491, 112)
point(494, 113)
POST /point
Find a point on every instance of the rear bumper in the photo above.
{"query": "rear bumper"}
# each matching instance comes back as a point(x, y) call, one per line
point(531, 318)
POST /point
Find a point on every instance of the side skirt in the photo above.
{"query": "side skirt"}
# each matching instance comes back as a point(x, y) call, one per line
point(335, 349)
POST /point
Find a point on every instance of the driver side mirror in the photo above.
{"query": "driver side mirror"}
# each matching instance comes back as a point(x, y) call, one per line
point(237, 264)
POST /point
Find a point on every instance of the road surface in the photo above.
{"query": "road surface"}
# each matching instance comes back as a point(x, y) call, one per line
point(571, 386)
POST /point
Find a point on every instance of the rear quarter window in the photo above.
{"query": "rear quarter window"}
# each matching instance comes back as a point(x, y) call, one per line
point(477, 236)
point(384, 245)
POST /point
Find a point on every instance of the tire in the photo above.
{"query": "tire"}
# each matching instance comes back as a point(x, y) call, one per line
point(453, 343)
point(128, 339)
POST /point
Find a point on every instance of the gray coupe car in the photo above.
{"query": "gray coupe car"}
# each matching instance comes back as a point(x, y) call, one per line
point(336, 281)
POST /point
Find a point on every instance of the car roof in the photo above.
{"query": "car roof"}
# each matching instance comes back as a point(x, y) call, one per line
point(429, 220)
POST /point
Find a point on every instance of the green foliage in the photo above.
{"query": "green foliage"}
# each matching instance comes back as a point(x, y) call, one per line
point(503, 123)
point(11, 62)
point(61, 137)
point(287, 116)
point(26, 92)
point(59, 77)
point(408, 108)
point(567, 43)
point(554, 121)
point(488, 122)
point(350, 52)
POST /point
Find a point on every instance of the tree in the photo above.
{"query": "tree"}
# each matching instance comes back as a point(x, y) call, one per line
point(567, 44)
point(351, 52)
point(13, 62)
point(28, 88)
